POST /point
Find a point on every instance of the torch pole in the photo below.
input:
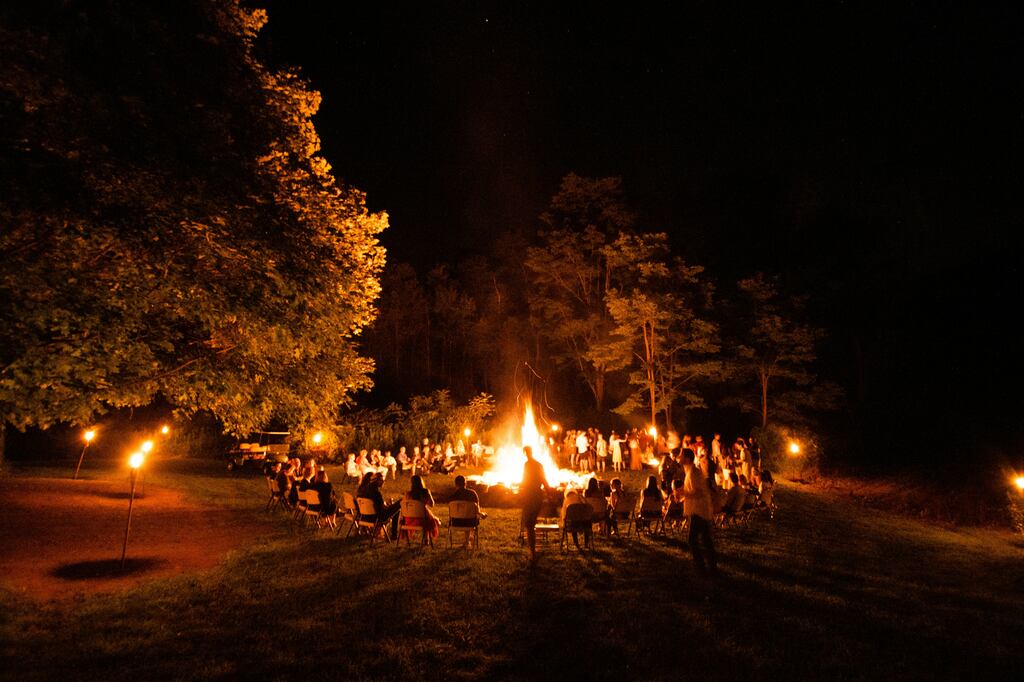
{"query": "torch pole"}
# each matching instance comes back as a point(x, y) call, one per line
point(80, 458)
point(128, 526)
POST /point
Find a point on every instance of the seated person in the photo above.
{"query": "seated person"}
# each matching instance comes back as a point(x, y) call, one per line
point(735, 497)
point(390, 463)
point(651, 499)
point(284, 479)
point(420, 493)
point(325, 489)
point(617, 495)
point(676, 496)
point(385, 512)
point(403, 460)
point(464, 494)
point(593, 491)
point(574, 499)
point(571, 497)
point(674, 504)
point(351, 468)
point(751, 494)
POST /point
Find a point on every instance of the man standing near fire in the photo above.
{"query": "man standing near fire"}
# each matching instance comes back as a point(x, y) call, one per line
point(698, 506)
point(533, 491)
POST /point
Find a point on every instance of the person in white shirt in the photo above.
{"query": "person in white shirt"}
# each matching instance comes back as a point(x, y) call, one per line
point(615, 443)
point(602, 452)
point(698, 506)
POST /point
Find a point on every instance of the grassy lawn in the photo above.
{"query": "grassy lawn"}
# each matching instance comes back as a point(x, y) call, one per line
point(826, 590)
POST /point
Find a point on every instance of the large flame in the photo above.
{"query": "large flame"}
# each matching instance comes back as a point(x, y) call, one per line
point(507, 465)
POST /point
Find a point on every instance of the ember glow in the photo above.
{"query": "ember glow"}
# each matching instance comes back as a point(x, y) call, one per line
point(507, 466)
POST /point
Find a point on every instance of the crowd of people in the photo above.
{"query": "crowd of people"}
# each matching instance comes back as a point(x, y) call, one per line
point(428, 458)
point(703, 482)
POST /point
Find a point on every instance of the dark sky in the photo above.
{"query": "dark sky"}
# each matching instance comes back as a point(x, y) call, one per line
point(459, 118)
point(869, 154)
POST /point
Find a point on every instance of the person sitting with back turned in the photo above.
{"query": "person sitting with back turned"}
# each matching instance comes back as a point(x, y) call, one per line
point(419, 493)
point(464, 494)
point(385, 512)
point(617, 494)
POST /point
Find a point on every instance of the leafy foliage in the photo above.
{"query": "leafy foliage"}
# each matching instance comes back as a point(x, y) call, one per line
point(775, 352)
point(164, 234)
point(571, 274)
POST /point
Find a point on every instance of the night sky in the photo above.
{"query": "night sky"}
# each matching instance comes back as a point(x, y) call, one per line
point(869, 155)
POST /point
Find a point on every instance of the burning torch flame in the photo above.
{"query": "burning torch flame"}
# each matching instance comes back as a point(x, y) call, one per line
point(89, 435)
point(135, 461)
point(794, 448)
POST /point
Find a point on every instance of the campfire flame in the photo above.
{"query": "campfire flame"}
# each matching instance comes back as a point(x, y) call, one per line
point(507, 466)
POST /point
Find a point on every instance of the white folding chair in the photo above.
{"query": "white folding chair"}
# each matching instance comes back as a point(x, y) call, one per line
point(370, 522)
point(412, 518)
point(464, 516)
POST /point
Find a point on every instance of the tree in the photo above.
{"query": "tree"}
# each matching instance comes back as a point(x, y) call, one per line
point(169, 234)
point(774, 353)
point(658, 328)
point(570, 274)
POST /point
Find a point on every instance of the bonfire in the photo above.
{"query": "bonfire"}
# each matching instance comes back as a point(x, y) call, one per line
point(507, 465)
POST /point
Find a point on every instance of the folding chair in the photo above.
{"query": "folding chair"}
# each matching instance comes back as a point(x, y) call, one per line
point(299, 512)
point(312, 508)
point(649, 517)
point(277, 498)
point(578, 519)
point(370, 522)
point(464, 516)
point(673, 517)
point(349, 513)
point(625, 511)
point(547, 522)
point(599, 513)
point(412, 518)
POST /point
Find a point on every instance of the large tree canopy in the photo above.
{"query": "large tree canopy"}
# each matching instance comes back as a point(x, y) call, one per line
point(167, 234)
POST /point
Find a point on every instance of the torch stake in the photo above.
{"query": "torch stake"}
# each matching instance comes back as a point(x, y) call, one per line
point(80, 458)
point(128, 526)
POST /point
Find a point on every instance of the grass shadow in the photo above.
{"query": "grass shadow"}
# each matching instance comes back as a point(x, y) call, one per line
point(105, 569)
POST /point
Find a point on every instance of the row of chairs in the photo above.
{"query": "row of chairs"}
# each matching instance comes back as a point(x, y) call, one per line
point(359, 517)
point(649, 516)
point(307, 506)
point(364, 521)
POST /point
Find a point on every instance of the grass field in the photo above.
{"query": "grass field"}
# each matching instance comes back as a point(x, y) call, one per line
point(826, 590)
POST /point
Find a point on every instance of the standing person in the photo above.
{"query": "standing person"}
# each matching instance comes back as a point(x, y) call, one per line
point(635, 463)
point(716, 449)
point(615, 443)
point(532, 492)
point(698, 506)
point(602, 452)
point(582, 446)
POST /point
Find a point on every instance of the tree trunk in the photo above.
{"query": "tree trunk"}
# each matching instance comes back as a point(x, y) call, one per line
point(599, 390)
point(3, 442)
point(764, 400)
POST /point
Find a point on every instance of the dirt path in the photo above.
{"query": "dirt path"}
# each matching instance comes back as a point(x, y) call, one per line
point(61, 538)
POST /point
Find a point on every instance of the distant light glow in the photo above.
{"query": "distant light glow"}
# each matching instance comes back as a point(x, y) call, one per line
point(467, 432)
point(794, 448)
point(653, 431)
point(89, 435)
point(317, 437)
point(165, 429)
point(1019, 482)
point(147, 446)
point(555, 427)
point(135, 461)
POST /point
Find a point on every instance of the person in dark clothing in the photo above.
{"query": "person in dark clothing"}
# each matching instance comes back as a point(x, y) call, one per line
point(533, 490)
point(325, 490)
point(464, 494)
point(385, 512)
